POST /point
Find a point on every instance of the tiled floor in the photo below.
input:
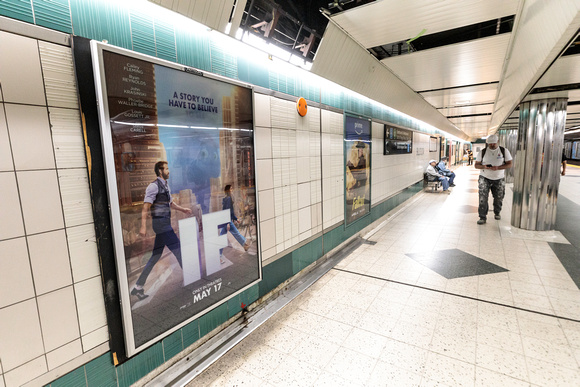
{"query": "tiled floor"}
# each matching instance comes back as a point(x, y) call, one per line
point(385, 316)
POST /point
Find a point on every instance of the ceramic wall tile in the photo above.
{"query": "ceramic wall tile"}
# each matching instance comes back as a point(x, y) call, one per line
point(22, 321)
point(268, 234)
point(263, 143)
point(41, 203)
point(266, 203)
point(76, 197)
point(303, 170)
point(262, 110)
point(30, 137)
point(6, 163)
point(12, 225)
point(64, 354)
point(50, 261)
point(59, 76)
point(302, 144)
point(58, 318)
point(15, 274)
point(84, 257)
point(67, 138)
point(90, 305)
point(265, 178)
point(304, 219)
point(26, 372)
point(20, 70)
point(304, 195)
point(95, 338)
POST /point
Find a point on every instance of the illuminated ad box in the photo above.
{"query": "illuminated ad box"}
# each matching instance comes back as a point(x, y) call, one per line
point(178, 147)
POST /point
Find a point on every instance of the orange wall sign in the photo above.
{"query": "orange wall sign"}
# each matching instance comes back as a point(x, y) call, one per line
point(301, 106)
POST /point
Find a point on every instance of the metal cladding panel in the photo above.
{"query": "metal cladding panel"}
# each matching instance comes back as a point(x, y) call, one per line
point(390, 21)
point(343, 61)
point(564, 71)
point(547, 26)
point(467, 95)
point(468, 63)
point(212, 13)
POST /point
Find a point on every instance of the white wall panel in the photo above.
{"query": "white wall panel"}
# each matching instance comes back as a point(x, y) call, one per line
point(58, 74)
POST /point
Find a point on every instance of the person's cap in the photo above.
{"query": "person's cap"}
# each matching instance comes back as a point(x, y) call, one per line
point(493, 139)
point(432, 161)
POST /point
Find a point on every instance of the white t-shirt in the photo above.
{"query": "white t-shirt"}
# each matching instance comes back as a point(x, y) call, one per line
point(495, 158)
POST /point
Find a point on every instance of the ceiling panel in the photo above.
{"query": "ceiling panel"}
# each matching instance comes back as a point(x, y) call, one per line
point(564, 71)
point(462, 95)
point(573, 109)
point(468, 63)
point(543, 28)
point(573, 95)
point(339, 57)
point(389, 21)
point(467, 110)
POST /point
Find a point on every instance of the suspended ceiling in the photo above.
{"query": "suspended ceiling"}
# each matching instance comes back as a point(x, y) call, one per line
point(475, 85)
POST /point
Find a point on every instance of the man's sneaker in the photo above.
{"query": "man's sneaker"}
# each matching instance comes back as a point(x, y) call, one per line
point(447, 192)
point(481, 221)
point(247, 245)
point(452, 185)
point(497, 216)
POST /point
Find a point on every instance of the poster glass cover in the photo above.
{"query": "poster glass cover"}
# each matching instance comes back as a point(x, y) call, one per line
point(179, 153)
point(357, 168)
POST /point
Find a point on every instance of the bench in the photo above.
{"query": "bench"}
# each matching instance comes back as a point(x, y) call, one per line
point(429, 182)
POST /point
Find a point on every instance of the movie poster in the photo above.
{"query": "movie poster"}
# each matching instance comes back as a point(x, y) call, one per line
point(357, 167)
point(179, 148)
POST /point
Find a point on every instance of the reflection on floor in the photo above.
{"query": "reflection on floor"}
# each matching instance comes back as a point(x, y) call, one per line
point(387, 316)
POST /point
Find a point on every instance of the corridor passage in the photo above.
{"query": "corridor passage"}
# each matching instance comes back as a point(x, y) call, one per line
point(431, 298)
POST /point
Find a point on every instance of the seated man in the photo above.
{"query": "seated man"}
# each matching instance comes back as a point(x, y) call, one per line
point(432, 174)
point(442, 167)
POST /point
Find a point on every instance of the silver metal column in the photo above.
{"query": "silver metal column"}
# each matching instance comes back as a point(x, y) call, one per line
point(508, 138)
point(537, 169)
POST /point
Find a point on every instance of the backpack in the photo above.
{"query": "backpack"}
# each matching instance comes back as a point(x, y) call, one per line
point(501, 149)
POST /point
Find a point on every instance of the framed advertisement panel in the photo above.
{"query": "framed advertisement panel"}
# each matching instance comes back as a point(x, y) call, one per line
point(397, 140)
point(178, 146)
point(357, 162)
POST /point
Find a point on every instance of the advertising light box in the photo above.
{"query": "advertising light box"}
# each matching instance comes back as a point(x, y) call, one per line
point(178, 146)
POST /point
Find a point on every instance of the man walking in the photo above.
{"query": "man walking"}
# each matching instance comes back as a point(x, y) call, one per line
point(492, 160)
point(158, 202)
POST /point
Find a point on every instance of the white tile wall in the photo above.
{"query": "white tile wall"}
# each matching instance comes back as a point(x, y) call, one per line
point(6, 163)
point(12, 224)
point(26, 372)
point(24, 343)
point(40, 199)
point(262, 110)
point(265, 178)
point(20, 70)
point(58, 73)
point(30, 138)
point(64, 354)
point(48, 174)
point(50, 261)
point(67, 137)
point(15, 275)
point(84, 258)
point(58, 318)
point(95, 338)
point(268, 234)
point(263, 143)
point(266, 200)
point(90, 305)
point(76, 197)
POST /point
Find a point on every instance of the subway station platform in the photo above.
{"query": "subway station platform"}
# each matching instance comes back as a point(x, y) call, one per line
point(431, 298)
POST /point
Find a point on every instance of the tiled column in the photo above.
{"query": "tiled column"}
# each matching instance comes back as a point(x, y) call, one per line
point(537, 163)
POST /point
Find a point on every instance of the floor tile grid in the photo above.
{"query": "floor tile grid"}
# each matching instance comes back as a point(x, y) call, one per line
point(498, 332)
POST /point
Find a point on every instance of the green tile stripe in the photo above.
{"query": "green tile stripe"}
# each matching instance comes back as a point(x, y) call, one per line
point(102, 21)
point(142, 33)
point(54, 14)
point(17, 9)
point(165, 40)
